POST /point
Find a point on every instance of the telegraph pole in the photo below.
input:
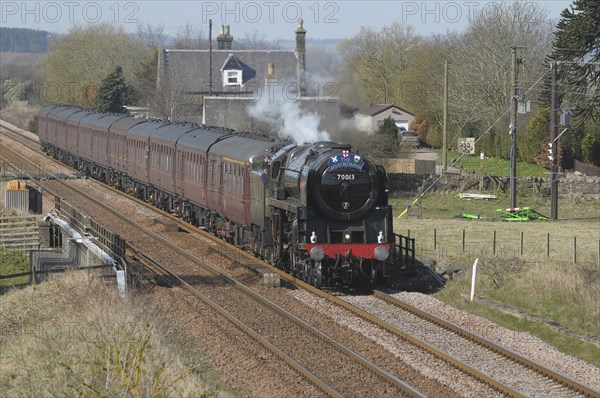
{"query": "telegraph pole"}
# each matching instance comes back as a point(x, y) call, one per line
point(554, 145)
point(445, 139)
point(513, 129)
point(210, 59)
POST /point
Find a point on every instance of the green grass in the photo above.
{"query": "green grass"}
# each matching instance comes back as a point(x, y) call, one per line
point(456, 294)
point(446, 206)
point(13, 262)
point(492, 166)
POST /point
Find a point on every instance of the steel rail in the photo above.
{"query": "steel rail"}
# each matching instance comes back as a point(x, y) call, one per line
point(234, 252)
point(490, 345)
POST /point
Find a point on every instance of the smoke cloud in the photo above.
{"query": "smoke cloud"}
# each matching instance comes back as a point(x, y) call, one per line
point(358, 122)
point(287, 119)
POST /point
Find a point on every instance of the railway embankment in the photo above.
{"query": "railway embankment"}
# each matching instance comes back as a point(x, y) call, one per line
point(79, 338)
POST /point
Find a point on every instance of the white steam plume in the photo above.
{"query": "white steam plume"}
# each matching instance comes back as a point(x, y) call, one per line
point(286, 117)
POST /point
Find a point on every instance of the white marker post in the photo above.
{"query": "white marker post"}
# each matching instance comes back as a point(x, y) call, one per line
point(473, 279)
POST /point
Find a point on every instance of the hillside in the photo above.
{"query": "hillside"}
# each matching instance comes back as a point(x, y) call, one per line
point(19, 40)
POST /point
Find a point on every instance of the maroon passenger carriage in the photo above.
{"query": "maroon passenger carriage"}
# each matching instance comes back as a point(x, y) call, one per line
point(319, 211)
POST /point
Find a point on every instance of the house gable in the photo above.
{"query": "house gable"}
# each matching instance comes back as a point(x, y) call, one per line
point(234, 72)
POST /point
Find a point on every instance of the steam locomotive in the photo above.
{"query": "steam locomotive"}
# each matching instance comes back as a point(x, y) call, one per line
point(319, 211)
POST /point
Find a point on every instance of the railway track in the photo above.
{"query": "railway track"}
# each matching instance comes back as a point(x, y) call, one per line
point(529, 377)
point(553, 382)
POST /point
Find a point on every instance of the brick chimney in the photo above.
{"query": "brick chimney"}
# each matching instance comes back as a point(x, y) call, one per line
point(270, 79)
point(301, 57)
point(224, 39)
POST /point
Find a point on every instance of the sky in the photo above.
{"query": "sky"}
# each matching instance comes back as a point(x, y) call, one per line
point(277, 20)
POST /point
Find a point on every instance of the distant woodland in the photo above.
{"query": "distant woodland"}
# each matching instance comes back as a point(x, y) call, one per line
point(18, 40)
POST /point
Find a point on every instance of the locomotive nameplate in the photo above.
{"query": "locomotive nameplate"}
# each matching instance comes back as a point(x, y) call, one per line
point(346, 159)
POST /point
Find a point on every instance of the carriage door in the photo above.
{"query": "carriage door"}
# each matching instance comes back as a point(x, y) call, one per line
point(179, 171)
point(148, 154)
point(220, 187)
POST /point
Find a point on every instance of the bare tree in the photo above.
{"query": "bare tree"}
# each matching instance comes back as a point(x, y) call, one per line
point(396, 66)
point(151, 35)
point(256, 40)
point(377, 59)
point(190, 37)
point(78, 61)
point(481, 65)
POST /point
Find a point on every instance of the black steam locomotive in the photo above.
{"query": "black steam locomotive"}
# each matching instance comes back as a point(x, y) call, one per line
point(319, 211)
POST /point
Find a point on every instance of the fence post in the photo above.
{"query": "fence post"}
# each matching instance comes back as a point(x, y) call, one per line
point(409, 233)
point(473, 279)
point(521, 250)
point(574, 250)
point(463, 241)
point(494, 243)
point(548, 245)
point(435, 239)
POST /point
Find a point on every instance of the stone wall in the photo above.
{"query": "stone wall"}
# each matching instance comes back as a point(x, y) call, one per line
point(571, 185)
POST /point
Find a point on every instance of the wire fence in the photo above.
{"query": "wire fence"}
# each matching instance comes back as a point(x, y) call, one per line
point(448, 245)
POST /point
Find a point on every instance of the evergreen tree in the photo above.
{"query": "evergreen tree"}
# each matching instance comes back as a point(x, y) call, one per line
point(388, 129)
point(384, 143)
point(113, 93)
point(576, 49)
point(590, 144)
point(535, 140)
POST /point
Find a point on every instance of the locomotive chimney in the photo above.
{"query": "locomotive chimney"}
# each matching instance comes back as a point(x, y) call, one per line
point(224, 39)
point(301, 57)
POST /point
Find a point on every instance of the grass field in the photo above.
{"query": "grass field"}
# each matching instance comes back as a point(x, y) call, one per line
point(492, 166)
point(518, 270)
point(577, 226)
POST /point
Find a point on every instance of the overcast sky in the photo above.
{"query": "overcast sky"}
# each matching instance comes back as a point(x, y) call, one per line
point(276, 19)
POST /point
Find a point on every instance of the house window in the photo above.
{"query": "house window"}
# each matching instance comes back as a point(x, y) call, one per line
point(232, 77)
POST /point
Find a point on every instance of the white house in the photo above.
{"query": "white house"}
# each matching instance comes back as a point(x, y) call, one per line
point(376, 114)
